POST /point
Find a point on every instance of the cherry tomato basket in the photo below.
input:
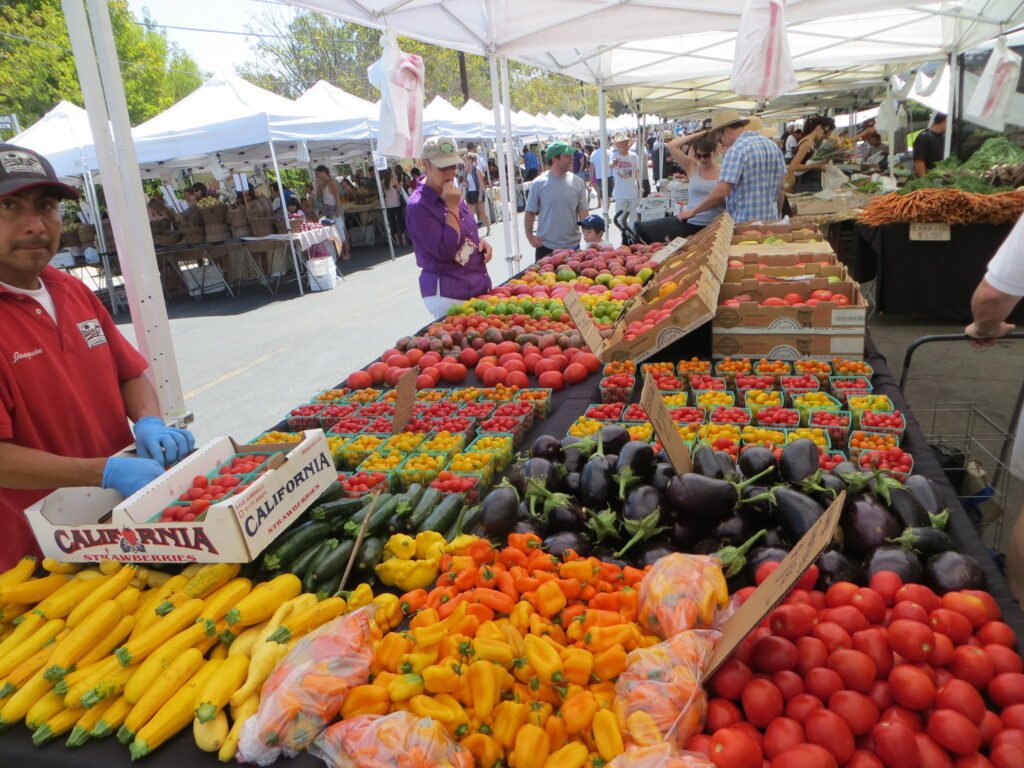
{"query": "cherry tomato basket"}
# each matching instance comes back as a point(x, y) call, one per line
point(224, 468)
point(500, 445)
point(333, 412)
point(814, 401)
point(357, 449)
point(526, 410)
point(308, 419)
point(712, 432)
point(817, 434)
point(381, 485)
point(771, 398)
point(375, 409)
point(363, 396)
point(383, 461)
point(703, 383)
point(633, 413)
point(350, 425)
point(828, 459)
point(709, 399)
point(619, 366)
point(435, 409)
point(639, 430)
point(611, 392)
point(875, 458)
point(688, 415)
point(765, 417)
point(842, 387)
point(605, 411)
point(676, 399)
point(842, 366)
point(730, 368)
point(897, 431)
point(405, 442)
point(820, 368)
point(443, 441)
point(470, 496)
point(541, 399)
point(837, 433)
point(331, 395)
point(477, 410)
point(432, 395)
point(686, 367)
point(477, 463)
point(767, 437)
point(585, 427)
point(422, 468)
point(881, 440)
point(274, 436)
point(499, 394)
point(721, 415)
point(860, 403)
point(380, 425)
point(657, 369)
point(497, 425)
point(464, 394)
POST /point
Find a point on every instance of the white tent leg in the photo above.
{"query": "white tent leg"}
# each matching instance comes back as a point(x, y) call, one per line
point(287, 221)
point(500, 145)
point(954, 82)
point(384, 211)
point(94, 201)
point(602, 114)
point(510, 169)
point(100, 78)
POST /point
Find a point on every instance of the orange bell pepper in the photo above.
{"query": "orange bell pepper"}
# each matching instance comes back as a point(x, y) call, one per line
point(424, 618)
point(578, 711)
point(532, 748)
point(484, 749)
point(610, 663)
point(607, 736)
point(577, 664)
point(558, 737)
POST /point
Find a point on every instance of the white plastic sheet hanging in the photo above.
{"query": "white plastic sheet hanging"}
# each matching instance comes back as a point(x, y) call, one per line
point(400, 79)
point(762, 67)
point(990, 103)
point(925, 86)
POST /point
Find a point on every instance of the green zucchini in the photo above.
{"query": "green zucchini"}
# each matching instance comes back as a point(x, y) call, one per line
point(430, 499)
point(333, 562)
point(300, 564)
point(341, 509)
point(332, 493)
point(378, 518)
point(309, 580)
point(407, 503)
point(330, 586)
point(370, 554)
point(444, 515)
point(358, 517)
point(464, 523)
point(294, 543)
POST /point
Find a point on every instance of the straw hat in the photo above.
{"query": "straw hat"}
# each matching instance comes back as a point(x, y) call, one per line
point(727, 118)
point(754, 124)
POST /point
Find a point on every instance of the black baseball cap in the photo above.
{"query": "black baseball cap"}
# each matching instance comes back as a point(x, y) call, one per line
point(594, 222)
point(22, 169)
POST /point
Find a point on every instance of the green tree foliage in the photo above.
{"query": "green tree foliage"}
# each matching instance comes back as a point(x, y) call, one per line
point(298, 49)
point(37, 68)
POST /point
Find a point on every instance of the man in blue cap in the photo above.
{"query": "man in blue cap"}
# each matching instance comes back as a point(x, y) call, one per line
point(557, 202)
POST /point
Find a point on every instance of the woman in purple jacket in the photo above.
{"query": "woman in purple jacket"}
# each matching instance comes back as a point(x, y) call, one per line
point(444, 236)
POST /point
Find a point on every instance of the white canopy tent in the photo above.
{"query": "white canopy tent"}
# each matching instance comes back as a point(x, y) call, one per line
point(323, 98)
point(64, 137)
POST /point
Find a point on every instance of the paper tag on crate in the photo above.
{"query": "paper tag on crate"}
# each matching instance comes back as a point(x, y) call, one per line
point(932, 232)
point(669, 249)
point(777, 585)
point(583, 322)
point(406, 388)
point(664, 427)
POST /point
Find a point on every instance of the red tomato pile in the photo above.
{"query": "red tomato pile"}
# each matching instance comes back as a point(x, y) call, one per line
point(885, 676)
point(700, 381)
point(634, 412)
point(892, 459)
point(804, 381)
point(755, 382)
point(364, 482)
point(829, 419)
point(885, 419)
point(687, 415)
point(448, 482)
point(775, 416)
point(728, 415)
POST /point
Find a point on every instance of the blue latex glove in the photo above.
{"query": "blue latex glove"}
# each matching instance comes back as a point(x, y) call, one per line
point(126, 475)
point(155, 440)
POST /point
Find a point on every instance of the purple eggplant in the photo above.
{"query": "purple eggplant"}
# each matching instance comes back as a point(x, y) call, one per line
point(693, 495)
point(834, 566)
point(799, 461)
point(558, 544)
point(534, 526)
point(641, 501)
point(900, 561)
point(607, 556)
point(684, 535)
point(907, 510)
point(926, 494)
point(734, 558)
point(755, 459)
point(831, 487)
point(728, 466)
point(651, 552)
point(499, 510)
point(634, 464)
point(757, 504)
point(758, 556)
point(641, 518)
point(613, 437)
point(867, 524)
point(776, 538)
point(795, 511)
point(705, 463)
point(925, 541)
point(568, 516)
point(573, 455)
point(595, 483)
point(706, 547)
point(662, 473)
point(571, 483)
point(603, 526)
point(547, 447)
point(952, 572)
point(541, 473)
point(736, 528)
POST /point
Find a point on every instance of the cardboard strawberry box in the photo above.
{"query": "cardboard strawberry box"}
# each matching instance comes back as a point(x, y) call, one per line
point(785, 345)
point(738, 271)
point(81, 525)
point(821, 248)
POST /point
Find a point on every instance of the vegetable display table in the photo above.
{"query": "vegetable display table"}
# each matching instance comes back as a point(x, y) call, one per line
point(926, 279)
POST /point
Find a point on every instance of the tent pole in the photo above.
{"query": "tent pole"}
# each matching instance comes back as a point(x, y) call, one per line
point(602, 115)
point(506, 101)
point(951, 118)
point(641, 150)
point(103, 90)
point(383, 209)
point(500, 145)
point(287, 221)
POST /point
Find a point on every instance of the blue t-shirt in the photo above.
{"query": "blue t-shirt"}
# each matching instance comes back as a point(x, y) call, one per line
point(530, 160)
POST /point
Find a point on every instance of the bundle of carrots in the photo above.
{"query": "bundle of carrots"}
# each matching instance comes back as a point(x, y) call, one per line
point(951, 206)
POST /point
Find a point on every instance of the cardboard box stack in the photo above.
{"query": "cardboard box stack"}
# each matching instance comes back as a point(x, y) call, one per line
point(786, 296)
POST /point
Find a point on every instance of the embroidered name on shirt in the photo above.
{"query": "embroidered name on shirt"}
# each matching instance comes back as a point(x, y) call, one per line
point(19, 356)
point(92, 332)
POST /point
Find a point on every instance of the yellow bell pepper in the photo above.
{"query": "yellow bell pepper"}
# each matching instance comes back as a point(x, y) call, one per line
point(365, 700)
point(460, 544)
point(389, 610)
point(402, 547)
point(514, 638)
point(359, 597)
point(483, 688)
point(578, 711)
point(540, 711)
point(570, 756)
point(407, 574)
point(426, 706)
point(509, 717)
point(554, 727)
point(544, 659)
point(496, 651)
point(532, 748)
point(542, 627)
point(445, 677)
point(607, 735)
point(577, 664)
point(453, 645)
point(490, 630)
point(598, 639)
point(404, 687)
point(459, 725)
point(520, 617)
point(610, 663)
point(424, 618)
point(391, 650)
point(643, 730)
point(417, 662)
point(484, 749)
point(428, 637)
point(550, 599)
point(430, 545)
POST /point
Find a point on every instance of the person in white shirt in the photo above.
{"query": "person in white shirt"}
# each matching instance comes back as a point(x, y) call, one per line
point(597, 170)
point(625, 168)
point(792, 142)
point(474, 188)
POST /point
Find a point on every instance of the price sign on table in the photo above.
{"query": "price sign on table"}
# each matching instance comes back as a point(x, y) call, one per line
point(937, 232)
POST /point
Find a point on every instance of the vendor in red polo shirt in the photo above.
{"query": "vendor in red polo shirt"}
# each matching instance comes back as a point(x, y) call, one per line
point(69, 381)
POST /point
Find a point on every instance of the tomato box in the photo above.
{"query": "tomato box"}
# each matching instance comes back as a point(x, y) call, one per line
point(741, 308)
point(786, 344)
point(810, 252)
point(81, 525)
point(787, 274)
point(787, 233)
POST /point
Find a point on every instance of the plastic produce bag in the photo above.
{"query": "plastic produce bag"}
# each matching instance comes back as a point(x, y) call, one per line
point(682, 592)
point(307, 688)
point(990, 103)
point(398, 740)
point(832, 179)
point(661, 692)
point(762, 67)
point(660, 756)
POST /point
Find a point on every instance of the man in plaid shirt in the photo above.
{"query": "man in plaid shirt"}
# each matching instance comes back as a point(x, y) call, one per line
point(750, 182)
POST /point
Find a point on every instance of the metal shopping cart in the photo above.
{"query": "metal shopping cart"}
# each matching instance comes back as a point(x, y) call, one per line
point(973, 448)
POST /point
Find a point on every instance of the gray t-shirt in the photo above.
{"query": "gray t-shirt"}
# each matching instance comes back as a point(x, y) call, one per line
point(557, 201)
